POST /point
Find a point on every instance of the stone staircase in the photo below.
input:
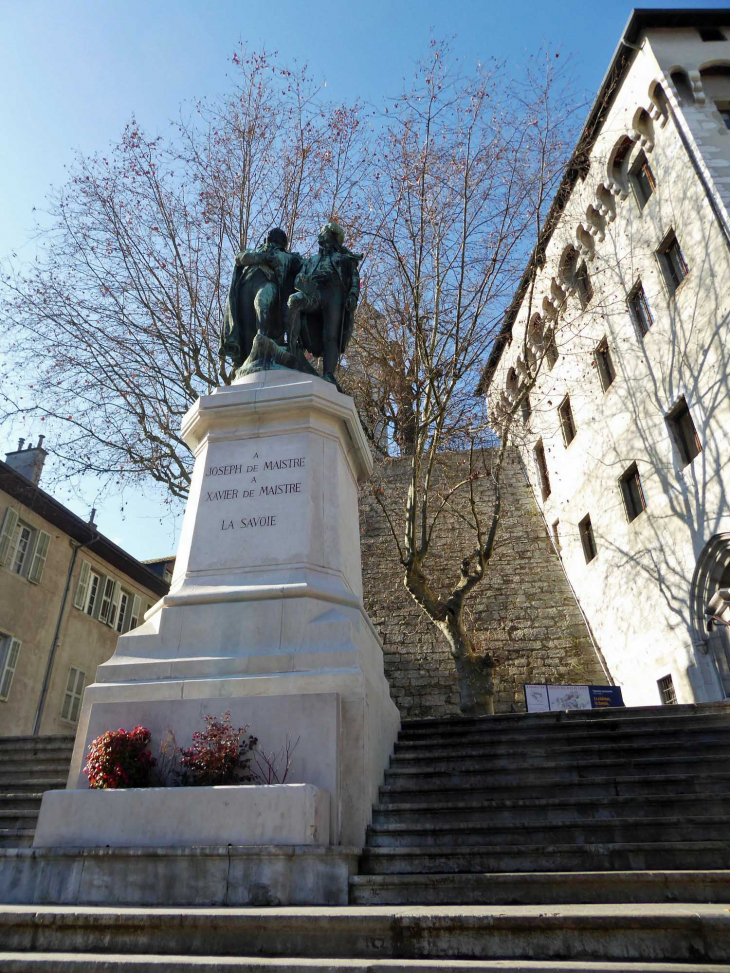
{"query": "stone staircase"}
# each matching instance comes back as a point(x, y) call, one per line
point(559, 843)
point(607, 806)
point(29, 766)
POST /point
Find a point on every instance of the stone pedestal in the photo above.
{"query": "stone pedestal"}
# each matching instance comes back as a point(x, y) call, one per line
point(265, 617)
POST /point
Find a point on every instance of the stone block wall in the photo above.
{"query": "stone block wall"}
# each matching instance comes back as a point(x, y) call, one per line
point(523, 612)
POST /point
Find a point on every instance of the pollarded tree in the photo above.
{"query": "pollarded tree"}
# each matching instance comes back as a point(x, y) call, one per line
point(468, 164)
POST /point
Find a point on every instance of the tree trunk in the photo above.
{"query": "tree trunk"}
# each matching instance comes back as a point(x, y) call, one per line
point(473, 669)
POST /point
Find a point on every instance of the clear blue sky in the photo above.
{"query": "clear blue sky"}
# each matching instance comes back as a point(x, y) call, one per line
point(72, 73)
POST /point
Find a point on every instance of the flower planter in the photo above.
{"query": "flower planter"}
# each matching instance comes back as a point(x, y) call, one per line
point(175, 817)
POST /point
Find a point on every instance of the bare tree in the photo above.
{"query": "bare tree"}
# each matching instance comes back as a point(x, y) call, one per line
point(469, 164)
point(117, 323)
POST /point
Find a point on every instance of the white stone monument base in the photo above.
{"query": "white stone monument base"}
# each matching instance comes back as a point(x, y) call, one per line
point(179, 817)
point(205, 876)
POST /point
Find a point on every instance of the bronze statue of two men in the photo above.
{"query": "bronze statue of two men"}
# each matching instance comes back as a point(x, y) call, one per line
point(277, 295)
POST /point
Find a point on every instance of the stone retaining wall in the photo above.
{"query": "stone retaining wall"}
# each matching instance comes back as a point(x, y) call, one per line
point(524, 611)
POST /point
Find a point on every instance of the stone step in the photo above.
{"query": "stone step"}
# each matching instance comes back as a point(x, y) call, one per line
point(117, 963)
point(692, 933)
point(536, 741)
point(483, 773)
point(29, 785)
point(559, 757)
point(414, 788)
point(16, 837)
point(33, 770)
point(30, 746)
point(23, 801)
point(111, 963)
point(615, 714)
point(616, 831)
point(625, 856)
point(18, 818)
point(541, 888)
point(549, 725)
point(555, 810)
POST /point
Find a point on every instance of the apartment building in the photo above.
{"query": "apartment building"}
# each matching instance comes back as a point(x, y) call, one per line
point(66, 594)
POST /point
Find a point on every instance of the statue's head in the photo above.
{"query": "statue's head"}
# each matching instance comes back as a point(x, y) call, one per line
point(332, 232)
point(277, 236)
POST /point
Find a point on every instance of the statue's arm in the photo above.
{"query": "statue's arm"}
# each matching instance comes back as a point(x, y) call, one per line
point(252, 258)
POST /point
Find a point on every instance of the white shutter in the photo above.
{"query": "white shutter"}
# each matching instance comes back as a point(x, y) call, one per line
point(39, 557)
point(111, 619)
point(83, 586)
point(6, 679)
point(9, 524)
point(99, 597)
point(134, 619)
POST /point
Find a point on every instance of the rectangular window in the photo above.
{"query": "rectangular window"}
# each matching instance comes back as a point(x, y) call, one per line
point(19, 547)
point(672, 262)
point(73, 695)
point(123, 609)
point(93, 594)
point(587, 538)
point(551, 352)
point(541, 469)
point(683, 432)
point(9, 651)
point(640, 310)
point(106, 599)
point(604, 364)
point(666, 691)
point(633, 492)
point(567, 423)
point(556, 534)
point(642, 179)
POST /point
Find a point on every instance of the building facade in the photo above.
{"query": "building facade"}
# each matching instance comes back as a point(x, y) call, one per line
point(66, 594)
point(623, 314)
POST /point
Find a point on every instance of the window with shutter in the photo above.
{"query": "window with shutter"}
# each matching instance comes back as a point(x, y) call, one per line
point(134, 617)
point(111, 620)
point(9, 652)
point(123, 616)
point(83, 586)
point(73, 695)
point(9, 524)
point(39, 557)
point(106, 599)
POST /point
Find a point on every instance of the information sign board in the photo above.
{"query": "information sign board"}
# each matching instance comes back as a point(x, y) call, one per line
point(542, 698)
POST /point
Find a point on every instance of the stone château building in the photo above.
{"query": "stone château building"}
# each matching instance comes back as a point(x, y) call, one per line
point(626, 433)
point(66, 594)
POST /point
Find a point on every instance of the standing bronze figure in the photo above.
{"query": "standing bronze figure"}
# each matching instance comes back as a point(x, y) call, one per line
point(263, 279)
point(322, 309)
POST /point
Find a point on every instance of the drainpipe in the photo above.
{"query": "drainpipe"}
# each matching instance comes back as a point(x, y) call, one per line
point(54, 644)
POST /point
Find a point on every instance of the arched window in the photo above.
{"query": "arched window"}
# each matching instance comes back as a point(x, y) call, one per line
point(683, 87)
point(712, 575)
point(644, 126)
point(606, 203)
point(568, 266)
point(659, 101)
point(596, 221)
point(511, 380)
point(618, 161)
point(584, 285)
point(716, 84)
